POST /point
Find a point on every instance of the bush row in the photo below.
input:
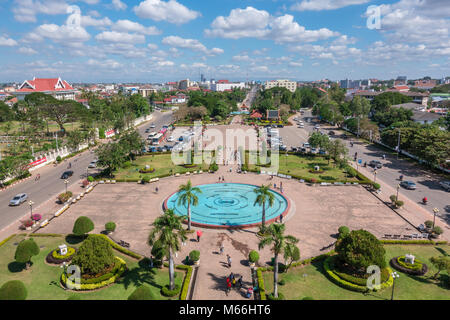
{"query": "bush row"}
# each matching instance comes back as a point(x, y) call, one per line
point(122, 249)
point(430, 242)
point(303, 262)
point(165, 291)
point(102, 283)
point(53, 235)
point(54, 258)
point(262, 290)
point(7, 239)
point(187, 280)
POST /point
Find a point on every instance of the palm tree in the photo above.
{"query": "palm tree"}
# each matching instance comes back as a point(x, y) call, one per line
point(275, 237)
point(188, 196)
point(263, 195)
point(168, 230)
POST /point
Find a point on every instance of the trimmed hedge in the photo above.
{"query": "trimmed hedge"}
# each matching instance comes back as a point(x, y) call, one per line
point(186, 282)
point(271, 297)
point(303, 262)
point(7, 239)
point(122, 249)
point(53, 235)
point(429, 242)
point(253, 256)
point(102, 281)
point(418, 269)
point(349, 285)
point(55, 258)
point(13, 290)
point(165, 291)
point(261, 287)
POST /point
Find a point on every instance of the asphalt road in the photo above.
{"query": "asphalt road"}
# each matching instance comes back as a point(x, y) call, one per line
point(426, 181)
point(51, 184)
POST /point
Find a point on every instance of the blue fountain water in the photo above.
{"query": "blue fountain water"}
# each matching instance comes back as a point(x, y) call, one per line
point(229, 204)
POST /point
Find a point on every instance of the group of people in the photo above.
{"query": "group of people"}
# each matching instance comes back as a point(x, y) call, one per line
point(281, 186)
point(233, 283)
point(221, 178)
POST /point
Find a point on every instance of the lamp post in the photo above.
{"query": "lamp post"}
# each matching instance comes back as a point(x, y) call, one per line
point(394, 276)
point(398, 187)
point(375, 176)
point(435, 212)
point(66, 182)
point(31, 208)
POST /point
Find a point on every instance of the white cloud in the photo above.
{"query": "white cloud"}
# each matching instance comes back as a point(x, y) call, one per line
point(170, 11)
point(165, 63)
point(241, 58)
point(104, 64)
point(119, 5)
point(318, 5)
point(90, 1)
point(7, 42)
point(120, 37)
point(131, 26)
point(26, 10)
point(192, 44)
point(152, 46)
point(253, 23)
point(295, 64)
point(88, 21)
point(63, 34)
point(28, 51)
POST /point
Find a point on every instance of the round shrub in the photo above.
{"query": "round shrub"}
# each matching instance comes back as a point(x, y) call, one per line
point(399, 203)
point(110, 226)
point(253, 257)
point(438, 230)
point(165, 291)
point(194, 255)
point(82, 226)
point(65, 196)
point(94, 256)
point(282, 282)
point(428, 224)
point(146, 179)
point(13, 290)
point(376, 186)
point(142, 292)
point(360, 249)
point(25, 250)
point(58, 158)
point(90, 179)
point(343, 231)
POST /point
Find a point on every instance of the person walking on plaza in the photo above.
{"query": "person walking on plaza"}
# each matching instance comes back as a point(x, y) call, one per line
point(199, 234)
point(281, 218)
point(233, 281)
point(228, 288)
point(281, 184)
point(229, 260)
point(221, 249)
point(240, 282)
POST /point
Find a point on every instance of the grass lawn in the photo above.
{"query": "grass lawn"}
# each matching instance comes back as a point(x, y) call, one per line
point(162, 164)
point(52, 127)
point(42, 279)
point(300, 165)
point(315, 284)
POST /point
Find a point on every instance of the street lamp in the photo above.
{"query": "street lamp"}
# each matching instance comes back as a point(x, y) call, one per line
point(31, 208)
point(435, 211)
point(66, 182)
point(398, 187)
point(394, 276)
point(375, 176)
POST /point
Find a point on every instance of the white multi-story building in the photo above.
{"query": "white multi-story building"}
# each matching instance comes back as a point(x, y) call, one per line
point(224, 86)
point(290, 85)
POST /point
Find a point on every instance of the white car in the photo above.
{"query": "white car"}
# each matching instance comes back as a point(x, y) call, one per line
point(301, 126)
point(170, 139)
point(93, 164)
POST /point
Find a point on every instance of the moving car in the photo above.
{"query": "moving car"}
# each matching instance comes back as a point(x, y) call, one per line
point(445, 185)
point(93, 164)
point(18, 199)
point(408, 185)
point(152, 126)
point(375, 164)
point(301, 125)
point(67, 174)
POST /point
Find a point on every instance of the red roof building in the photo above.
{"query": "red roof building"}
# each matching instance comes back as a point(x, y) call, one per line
point(59, 89)
point(256, 115)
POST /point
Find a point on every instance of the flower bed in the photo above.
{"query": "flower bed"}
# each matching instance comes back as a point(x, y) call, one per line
point(55, 258)
point(418, 268)
point(99, 282)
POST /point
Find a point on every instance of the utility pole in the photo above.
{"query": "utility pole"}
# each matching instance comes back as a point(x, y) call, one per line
point(398, 144)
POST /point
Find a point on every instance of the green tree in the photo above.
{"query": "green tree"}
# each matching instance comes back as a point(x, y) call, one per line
point(291, 254)
point(336, 149)
point(74, 139)
point(316, 139)
point(25, 250)
point(168, 230)
point(94, 256)
point(440, 263)
point(382, 102)
point(263, 196)
point(13, 290)
point(111, 155)
point(82, 226)
point(360, 249)
point(188, 196)
point(279, 243)
point(359, 107)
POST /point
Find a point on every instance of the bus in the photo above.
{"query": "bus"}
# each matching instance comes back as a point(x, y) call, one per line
point(157, 138)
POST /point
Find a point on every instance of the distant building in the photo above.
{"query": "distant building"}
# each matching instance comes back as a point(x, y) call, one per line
point(425, 117)
point(418, 97)
point(59, 89)
point(401, 81)
point(290, 85)
point(184, 84)
point(224, 85)
point(425, 84)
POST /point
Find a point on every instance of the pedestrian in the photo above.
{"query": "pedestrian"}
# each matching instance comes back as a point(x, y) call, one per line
point(275, 185)
point(233, 282)
point(384, 157)
point(228, 287)
point(219, 178)
point(199, 234)
point(281, 218)
point(156, 189)
point(240, 282)
point(221, 249)
point(223, 178)
point(229, 260)
point(281, 184)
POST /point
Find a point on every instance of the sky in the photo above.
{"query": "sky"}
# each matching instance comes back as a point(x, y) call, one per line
point(169, 40)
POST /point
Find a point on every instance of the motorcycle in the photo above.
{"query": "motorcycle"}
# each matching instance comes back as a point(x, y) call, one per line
point(401, 178)
point(425, 200)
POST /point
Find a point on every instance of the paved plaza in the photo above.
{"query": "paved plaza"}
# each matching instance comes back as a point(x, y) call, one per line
point(315, 214)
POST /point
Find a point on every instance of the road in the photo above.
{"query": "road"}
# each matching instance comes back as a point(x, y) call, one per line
point(51, 183)
point(426, 181)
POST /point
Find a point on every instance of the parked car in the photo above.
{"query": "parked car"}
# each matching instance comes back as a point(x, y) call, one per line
point(93, 164)
point(301, 126)
point(408, 185)
point(322, 152)
point(170, 139)
point(331, 133)
point(313, 150)
point(152, 149)
point(445, 185)
point(306, 145)
point(280, 126)
point(147, 130)
point(375, 164)
point(152, 126)
point(18, 199)
point(168, 148)
point(67, 174)
point(294, 149)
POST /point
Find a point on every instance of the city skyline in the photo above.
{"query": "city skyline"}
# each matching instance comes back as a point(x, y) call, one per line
point(158, 41)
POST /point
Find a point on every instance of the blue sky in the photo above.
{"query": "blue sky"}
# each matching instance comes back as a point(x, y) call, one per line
point(169, 40)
